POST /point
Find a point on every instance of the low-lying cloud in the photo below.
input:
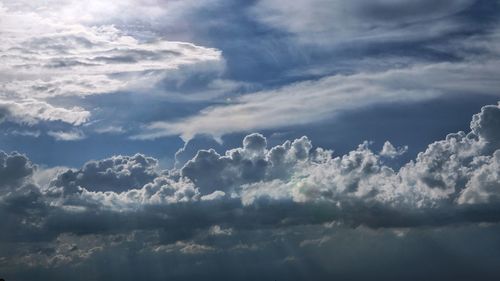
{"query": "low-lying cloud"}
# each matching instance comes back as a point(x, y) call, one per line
point(215, 200)
point(450, 178)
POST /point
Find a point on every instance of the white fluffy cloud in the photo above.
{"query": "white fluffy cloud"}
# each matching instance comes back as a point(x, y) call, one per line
point(458, 171)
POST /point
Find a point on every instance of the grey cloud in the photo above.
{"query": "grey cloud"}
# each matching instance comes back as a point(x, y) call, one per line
point(290, 196)
point(15, 170)
point(486, 124)
point(270, 254)
point(21, 202)
point(191, 148)
point(118, 173)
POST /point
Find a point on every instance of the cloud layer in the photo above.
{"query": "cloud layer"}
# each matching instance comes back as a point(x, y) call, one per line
point(312, 101)
point(452, 176)
point(44, 57)
point(289, 189)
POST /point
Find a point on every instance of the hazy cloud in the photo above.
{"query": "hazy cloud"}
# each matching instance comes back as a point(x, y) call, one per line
point(73, 135)
point(315, 22)
point(311, 101)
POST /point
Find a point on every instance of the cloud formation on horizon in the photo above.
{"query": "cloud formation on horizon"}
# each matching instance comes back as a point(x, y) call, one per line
point(449, 182)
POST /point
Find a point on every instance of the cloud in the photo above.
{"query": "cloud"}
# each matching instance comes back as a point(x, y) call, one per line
point(110, 130)
point(251, 163)
point(441, 183)
point(24, 133)
point(44, 57)
point(15, 170)
point(484, 184)
point(80, 60)
point(388, 150)
point(73, 135)
point(312, 101)
point(32, 111)
point(453, 180)
point(315, 22)
point(117, 173)
point(255, 193)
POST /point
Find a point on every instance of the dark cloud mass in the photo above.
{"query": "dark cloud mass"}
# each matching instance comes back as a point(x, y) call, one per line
point(118, 173)
point(281, 204)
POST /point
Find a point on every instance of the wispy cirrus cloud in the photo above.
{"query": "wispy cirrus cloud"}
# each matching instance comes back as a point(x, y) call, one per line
point(316, 100)
point(318, 21)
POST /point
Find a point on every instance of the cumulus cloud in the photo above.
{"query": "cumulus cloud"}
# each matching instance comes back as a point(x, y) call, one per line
point(484, 183)
point(251, 163)
point(455, 172)
point(214, 200)
point(254, 194)
point(15, 170)
point(117, 173)
point(388, 150)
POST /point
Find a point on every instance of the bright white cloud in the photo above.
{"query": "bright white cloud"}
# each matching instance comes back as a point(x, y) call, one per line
point(388, 150)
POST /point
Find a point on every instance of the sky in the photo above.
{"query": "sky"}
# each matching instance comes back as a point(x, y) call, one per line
point(249, 139)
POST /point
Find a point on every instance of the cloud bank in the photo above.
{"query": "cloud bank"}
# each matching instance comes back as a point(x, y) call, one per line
point(213, 201)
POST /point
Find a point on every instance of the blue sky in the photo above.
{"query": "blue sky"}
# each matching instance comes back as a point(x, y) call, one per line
point(291, 120)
